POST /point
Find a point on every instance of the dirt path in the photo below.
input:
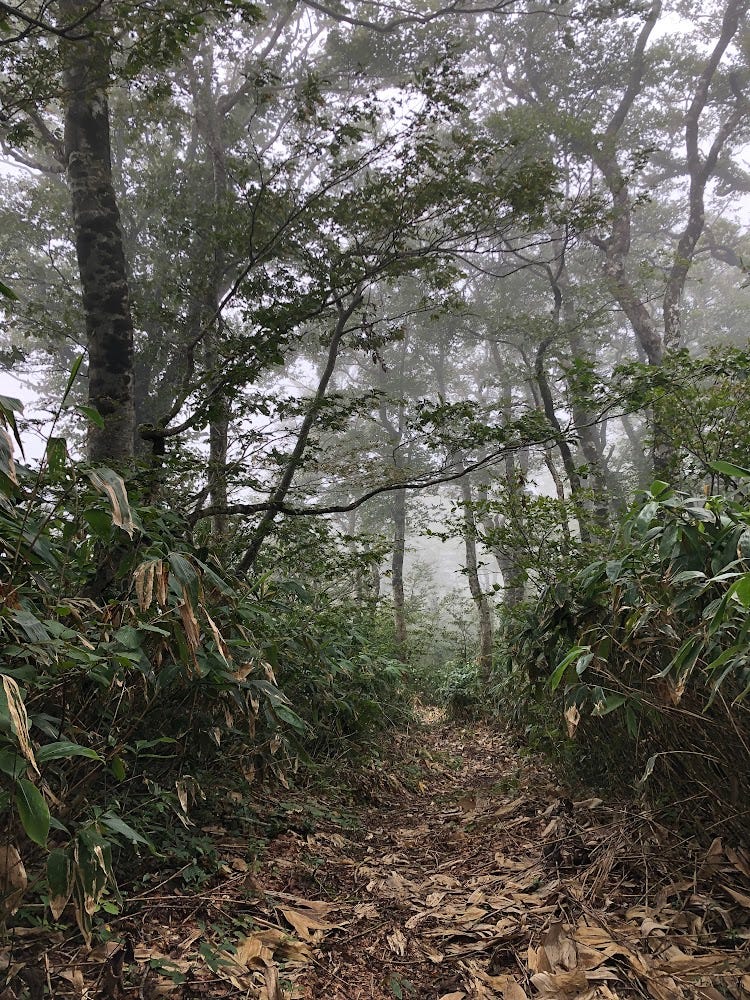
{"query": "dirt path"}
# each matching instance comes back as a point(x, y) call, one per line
point(467, 874)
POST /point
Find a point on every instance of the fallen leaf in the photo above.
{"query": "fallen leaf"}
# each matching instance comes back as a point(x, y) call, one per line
point(560, 984)
point(396, 942)
point(560, 950)
point(271, 989)
point(514, 992)
point(739, 897)
point(304, 924)
point(13, 879)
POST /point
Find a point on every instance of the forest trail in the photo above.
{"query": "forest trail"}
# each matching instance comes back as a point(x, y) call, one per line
point(467, 873)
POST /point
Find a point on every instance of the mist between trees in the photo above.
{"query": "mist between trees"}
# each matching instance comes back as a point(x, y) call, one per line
point(303, 284)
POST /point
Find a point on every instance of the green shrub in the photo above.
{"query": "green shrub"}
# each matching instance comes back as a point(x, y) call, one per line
point(139, 678)
point(649, 650)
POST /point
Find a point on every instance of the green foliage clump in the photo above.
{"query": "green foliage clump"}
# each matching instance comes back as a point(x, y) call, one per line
point(143, 685)
point(649, 650)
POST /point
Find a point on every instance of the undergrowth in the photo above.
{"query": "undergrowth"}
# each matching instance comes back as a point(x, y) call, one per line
point(640, 665)
point(146, 689)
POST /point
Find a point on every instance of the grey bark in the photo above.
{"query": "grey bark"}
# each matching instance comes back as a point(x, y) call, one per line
point(397, 571)
point(99, 242)
point(395, 433)
point(482, 604)
point(701, 168)
point(210, 125)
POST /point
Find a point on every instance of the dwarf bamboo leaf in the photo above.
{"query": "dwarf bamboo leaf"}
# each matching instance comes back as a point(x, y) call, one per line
point(32, 811)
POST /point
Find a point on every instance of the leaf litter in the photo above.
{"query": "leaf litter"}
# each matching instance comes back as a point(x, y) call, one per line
point(471, 874)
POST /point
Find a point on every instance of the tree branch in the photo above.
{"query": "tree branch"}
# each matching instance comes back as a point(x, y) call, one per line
point(295, 459)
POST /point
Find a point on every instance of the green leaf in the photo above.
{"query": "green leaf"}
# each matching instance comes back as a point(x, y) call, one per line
point(614, 569)
point(10, 404)
point(75, 368)
point(117, 825)
point(63, 750)
point(99, 521)
point(91, 413)
point(646, 515)
point(12, 764)
point(631, 721)
point(32, 811)
point(8, 293)
point(287, 715)
point(59, 881)
point(728, 469)
point(57, 453)
point(688, 575)
point(31, 625)
point(741, 590)
point(562, 666)
point(185, 573)
point(609, 704)
point(660, 490)
point(117, 767)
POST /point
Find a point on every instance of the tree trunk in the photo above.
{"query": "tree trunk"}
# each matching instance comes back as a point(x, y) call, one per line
point(276, 500)
point(99, 243)
point(210, 125)
point(397, 571)
point(484, 610)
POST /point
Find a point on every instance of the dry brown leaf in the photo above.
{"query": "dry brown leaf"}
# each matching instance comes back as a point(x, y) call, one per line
point(305, 923)
point(143, 578)
point(114, 486)
point(253, 953)
point(691, 965)
point(649, 926)
point(75, 978)
point(503, 985)
point(435, 956)
point(600, 940)
point(271, 989)
point(739, 897)
point(560, 985)
point(590, 958)
point(316, 906)
point(396, 942)
point(592, 803)
point(190, 626)
point(258, 950)
point(218, 637)
point(666, 989)
point(739, 859)
point(190, 939)
point(572, 718)
point(559, 948)
point(19, 720)
point(13, 880)
point(434, 898)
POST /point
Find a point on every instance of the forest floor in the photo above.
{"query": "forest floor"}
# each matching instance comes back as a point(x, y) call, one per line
point(459, 870)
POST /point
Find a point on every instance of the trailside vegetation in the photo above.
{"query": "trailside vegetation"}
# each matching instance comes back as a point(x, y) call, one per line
point(358, 360)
